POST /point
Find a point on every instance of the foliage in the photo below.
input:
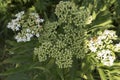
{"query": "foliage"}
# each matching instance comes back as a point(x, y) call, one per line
point(68, 45)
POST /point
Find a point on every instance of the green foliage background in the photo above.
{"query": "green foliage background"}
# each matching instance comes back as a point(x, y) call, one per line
point(20, 61)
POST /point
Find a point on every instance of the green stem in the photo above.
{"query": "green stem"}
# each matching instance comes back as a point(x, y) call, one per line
point(90, 77)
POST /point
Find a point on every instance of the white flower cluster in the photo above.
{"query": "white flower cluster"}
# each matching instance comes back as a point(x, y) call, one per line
point(22, 37)
point(106, 56)
point(103, 46)
point(14, 24)
point(27, 26)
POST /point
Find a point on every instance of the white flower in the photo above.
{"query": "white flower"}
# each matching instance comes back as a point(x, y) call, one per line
point(19, 15)
point(11, 24)
point(38, 20)
point(41, 20)
point(14, 25)
point(33, 32)
point(91, 46)
point(29, 35)
point(37, 35)
point(23, 38)
point(18, 38)
point(109, 61)
point(106, 57)
point(99, 42)
point(106, 32)
point(28, 30)
point(111, 34)
point(103, 54)
point(93, 49)
point(28, 39)
point(94, 44)
point(117, 47)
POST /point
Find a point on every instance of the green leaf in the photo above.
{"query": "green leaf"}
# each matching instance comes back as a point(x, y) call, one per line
point(102, 74)
point(41, 68)
point(18, 76)
point(116, 77)
point(60, 73)
point(15, 70)
point(18, 59)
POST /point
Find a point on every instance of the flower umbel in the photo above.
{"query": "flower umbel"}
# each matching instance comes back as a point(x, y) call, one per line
point(103, 47)
point(27, 25)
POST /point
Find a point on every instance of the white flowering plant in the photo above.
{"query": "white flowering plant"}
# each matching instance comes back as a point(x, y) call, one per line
point(103, 47)
point(75, 40)
point(26, 26)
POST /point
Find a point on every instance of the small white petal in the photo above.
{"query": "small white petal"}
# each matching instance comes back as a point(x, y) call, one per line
point(41, 20)
point(28, 30)
point(37, 35)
